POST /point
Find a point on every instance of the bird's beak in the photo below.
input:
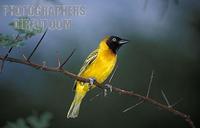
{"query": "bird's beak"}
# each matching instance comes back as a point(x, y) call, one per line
point(123, 41)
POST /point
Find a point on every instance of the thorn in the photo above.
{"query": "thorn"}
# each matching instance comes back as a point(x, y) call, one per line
point(173, 105)
point(58, 59)
point(43, 65)
point(97, 95)
point(150, 83)
point(129, 108)
point(58, 62)
point(67, 58)
point(165, 98)
point(105, 92)
point(113, 74)
point(37, 45)
point(5, 57)
point(24, 57)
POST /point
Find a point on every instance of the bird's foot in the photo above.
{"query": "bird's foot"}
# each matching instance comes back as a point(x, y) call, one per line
point(108, 87)
point(91, 83)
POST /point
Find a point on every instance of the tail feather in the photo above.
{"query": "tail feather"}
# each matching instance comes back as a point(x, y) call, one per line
point(75, 106)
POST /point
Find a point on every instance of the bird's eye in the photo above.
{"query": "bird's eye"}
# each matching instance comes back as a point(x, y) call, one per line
point(114, 39)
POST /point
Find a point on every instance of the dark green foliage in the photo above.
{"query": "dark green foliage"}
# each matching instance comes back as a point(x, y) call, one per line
point(24, 25)
point(25, 29)
point(33, 121)
point(20, 123)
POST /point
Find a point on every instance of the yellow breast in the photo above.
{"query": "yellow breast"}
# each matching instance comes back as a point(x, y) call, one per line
point(100, 68)
point(103, 65)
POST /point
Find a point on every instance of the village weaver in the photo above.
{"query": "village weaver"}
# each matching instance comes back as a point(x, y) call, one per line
point(97, 67)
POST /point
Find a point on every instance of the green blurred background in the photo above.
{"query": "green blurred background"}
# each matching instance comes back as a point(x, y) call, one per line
point(164, 36)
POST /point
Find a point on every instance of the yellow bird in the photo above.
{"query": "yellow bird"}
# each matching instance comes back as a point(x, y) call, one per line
point(97, 66)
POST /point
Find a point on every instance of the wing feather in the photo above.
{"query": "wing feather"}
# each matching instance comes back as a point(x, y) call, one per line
point(91, 57)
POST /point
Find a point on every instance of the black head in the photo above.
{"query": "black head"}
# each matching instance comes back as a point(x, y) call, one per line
point(114, 43)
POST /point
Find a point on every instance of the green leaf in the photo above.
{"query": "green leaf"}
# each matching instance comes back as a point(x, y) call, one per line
point(24, 25)
point(40, 122)
point(25, 30)
point(10, 41)
point(32, 121)
point(20, 123)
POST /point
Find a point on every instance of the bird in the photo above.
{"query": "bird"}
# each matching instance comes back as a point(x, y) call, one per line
point(97, 67)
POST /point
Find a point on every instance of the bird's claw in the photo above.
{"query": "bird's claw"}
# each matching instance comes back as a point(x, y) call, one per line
point(106, 89)
point(105, 92)
point(109, 86)
point(91, 82)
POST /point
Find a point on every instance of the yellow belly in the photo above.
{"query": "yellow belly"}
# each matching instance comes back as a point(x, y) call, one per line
point(100, 69)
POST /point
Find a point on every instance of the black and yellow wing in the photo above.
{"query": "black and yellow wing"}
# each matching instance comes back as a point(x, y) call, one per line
point(91, 57)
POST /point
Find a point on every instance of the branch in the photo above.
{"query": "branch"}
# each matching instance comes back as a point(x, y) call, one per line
point(147, 95)
point(156, 103)
point(114, 89)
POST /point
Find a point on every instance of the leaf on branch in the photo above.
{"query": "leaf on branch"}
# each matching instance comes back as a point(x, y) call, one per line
point(32, 121)
point(25, 28)
point(10, 41)
point(24, 25)
point(20, 123)
point(40, 122)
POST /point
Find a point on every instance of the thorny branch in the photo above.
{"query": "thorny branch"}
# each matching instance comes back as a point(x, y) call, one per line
point(114, 89)
point(120, 91)
point(147, 95)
